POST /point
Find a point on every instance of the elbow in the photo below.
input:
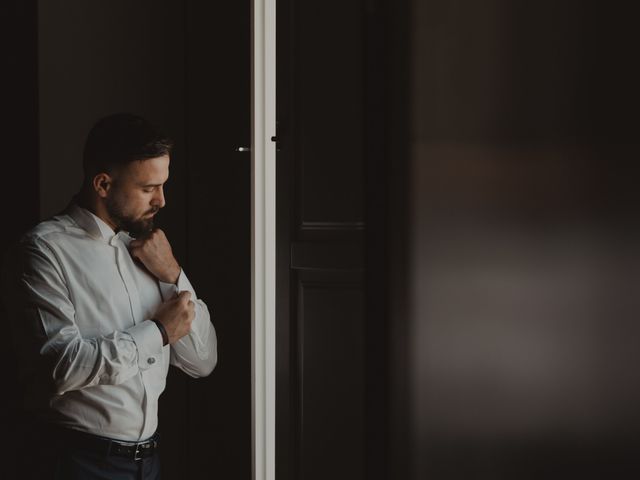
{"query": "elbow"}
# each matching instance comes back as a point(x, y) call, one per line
point(205, 359)
point(209, 365)
point(67, 373)
point(62, 373)
point(205, 366)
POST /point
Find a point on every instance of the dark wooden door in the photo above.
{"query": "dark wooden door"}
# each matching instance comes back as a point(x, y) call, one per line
point(325, 149)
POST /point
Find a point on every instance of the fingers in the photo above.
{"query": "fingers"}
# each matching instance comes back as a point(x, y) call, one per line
point(151, 236)
point(184, 296)
point(156, 234)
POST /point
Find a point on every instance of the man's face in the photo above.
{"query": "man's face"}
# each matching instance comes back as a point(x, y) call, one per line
point(136, 194)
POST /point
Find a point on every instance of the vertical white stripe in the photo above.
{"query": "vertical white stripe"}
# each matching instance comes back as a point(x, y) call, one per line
point(263, 238)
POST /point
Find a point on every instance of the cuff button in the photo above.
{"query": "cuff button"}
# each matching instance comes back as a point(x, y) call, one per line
point(151, 360)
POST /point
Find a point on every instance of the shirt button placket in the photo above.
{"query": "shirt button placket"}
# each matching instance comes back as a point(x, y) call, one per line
point(127, 279)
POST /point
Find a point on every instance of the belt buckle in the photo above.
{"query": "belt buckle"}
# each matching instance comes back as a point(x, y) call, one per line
point(137, 455)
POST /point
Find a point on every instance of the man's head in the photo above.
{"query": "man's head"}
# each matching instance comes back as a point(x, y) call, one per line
point(126, 163)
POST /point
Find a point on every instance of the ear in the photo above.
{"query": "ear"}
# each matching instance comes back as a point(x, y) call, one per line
point(102, 183)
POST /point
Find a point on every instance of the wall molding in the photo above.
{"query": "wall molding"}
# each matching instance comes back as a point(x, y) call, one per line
point(263, 268)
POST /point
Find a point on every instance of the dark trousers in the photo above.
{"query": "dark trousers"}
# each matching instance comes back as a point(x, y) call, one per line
point(54, 454)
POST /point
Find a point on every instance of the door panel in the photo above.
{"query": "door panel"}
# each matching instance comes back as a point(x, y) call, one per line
point(320, 391)
point(328, 103)
point(331, 380)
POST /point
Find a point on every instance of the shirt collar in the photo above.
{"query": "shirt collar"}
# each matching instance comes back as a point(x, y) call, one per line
point(94, 225)
point(106, 231)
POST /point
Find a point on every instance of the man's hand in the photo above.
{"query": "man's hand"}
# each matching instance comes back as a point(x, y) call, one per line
point(176, 316)
point(155, 253)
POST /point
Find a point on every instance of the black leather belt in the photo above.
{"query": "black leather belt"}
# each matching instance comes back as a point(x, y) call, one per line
point(107, 446)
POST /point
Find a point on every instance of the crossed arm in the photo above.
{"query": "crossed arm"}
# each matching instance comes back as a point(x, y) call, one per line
point(45, 325)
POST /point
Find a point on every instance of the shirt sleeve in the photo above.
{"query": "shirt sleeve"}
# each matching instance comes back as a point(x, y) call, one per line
point(44, 323)
point(196, 353)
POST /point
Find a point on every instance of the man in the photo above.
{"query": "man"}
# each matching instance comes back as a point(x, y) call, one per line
point(99, 308)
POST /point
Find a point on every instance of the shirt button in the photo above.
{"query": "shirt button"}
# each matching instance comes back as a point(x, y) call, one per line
point(151, 360)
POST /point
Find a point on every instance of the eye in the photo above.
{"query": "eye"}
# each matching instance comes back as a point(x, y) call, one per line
point(148, 190)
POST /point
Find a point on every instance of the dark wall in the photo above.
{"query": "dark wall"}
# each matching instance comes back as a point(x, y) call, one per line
point(522, 238)
point(97, 58)
point(218, 120)
point(19, 195)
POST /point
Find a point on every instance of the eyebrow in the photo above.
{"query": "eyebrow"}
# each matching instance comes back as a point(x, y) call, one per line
point(146, 185)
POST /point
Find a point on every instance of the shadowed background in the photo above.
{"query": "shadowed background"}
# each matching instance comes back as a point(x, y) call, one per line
point(72, 62)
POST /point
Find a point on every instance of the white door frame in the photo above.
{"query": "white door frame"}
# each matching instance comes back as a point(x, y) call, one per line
point(263, 244)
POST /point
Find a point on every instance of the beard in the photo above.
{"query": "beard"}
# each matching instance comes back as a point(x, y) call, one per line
point(137, 227)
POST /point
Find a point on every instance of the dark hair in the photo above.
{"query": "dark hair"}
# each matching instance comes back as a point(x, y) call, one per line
point(120, 139)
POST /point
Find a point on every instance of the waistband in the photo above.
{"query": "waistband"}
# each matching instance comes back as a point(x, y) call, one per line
point(107, 446)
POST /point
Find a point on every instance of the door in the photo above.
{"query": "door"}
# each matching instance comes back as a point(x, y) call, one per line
point(326, 147)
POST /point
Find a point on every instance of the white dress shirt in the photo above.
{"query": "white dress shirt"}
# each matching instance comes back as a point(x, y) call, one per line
point(89, 354)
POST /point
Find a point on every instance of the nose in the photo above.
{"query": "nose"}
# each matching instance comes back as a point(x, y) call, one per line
point(158, 198)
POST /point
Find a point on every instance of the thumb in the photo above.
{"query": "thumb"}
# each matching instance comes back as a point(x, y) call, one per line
point(185, 296)
point(133, 251)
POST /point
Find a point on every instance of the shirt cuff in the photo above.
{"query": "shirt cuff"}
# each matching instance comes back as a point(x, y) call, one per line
point(170, 290)
point(184, 284)
point(148, 340)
